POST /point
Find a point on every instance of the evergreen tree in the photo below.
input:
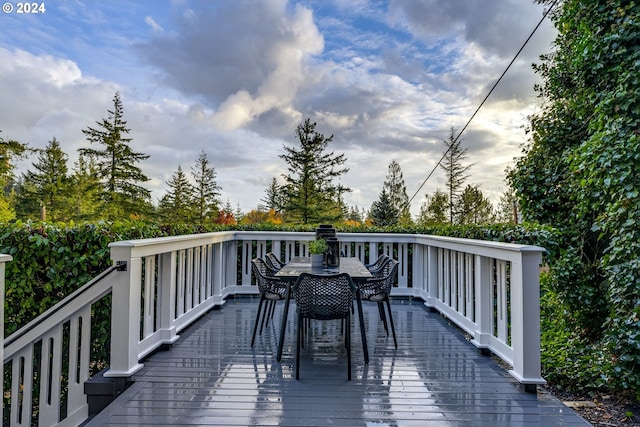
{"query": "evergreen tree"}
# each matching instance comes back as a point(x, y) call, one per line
point(206, 190)
point(86, 190)
point(354, 215)
point(310, 192)
point(473, 207)
point(238, 213)
point(177, 205)
point(507, 207)
point(383, 213)
point(23, 202)
point(435, 209)
point(456, 171)
point(10, 151)
point(397, 191)
point(49, 184)
point(116, 163)
point(273, 196)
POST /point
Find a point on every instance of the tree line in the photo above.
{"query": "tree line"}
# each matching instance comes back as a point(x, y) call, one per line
point(107, 183)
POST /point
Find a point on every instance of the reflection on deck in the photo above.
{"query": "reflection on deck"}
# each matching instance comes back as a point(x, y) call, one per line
point(212, 376)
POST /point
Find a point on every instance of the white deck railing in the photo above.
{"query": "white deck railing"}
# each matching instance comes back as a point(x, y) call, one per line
point(489, 289)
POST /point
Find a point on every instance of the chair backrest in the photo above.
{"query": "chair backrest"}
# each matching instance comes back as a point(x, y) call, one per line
point(324, 296)
point(379, 262)
point(264, 276)
point(383, 268)
point(390, 273)
point(273, 259)
point(271, 264)
point(379, 287)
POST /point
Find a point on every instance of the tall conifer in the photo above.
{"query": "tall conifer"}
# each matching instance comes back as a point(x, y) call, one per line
point(311, 192)
point(117, 165)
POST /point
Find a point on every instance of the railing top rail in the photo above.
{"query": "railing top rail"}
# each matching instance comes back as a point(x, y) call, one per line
point(172, 239)
point(512, 247)
point(157, 245)
point(474, 246)
point(276, 235)
point(5, 258)
point(92, 291)
point(457, 243)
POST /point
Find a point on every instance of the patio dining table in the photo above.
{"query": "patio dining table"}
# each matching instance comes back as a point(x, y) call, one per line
point(298, 265)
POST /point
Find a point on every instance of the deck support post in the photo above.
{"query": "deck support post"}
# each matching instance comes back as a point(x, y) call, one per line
point(102, 391)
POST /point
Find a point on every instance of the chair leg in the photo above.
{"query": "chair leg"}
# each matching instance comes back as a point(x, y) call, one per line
point(348, 342)
point(306, 326)
point(363, 334)
point(393, 328)
point(272, 309)
point(298, 341)
point(265, 314)
point(255, 326)
point(383, 317)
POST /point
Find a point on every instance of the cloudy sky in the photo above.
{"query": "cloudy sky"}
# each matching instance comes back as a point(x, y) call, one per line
point(387, 78)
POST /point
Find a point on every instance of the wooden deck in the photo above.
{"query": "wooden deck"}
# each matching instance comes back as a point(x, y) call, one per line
point(212, 376)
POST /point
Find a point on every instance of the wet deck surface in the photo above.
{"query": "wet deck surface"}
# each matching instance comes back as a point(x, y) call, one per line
point(212, 376)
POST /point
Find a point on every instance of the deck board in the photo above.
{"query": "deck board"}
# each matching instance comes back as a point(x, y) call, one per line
point(213, 377)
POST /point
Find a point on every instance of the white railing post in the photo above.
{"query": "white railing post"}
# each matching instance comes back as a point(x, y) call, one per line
point(525, 318)
point(167, 296)
point(431, 287)
point(246, 262)
point(484, 302)
point(125, 315)
point(418, 268)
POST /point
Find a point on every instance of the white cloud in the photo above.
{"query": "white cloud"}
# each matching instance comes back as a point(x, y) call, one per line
point(153, 24)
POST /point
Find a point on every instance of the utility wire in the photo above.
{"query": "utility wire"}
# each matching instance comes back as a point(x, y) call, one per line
point(483, 101)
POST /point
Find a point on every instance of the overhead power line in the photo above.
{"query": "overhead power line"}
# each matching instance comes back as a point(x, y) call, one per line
point(544, 16)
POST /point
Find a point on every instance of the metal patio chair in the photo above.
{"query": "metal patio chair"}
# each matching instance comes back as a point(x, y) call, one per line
point(271, 290)
point(378, 290)
point(323, 297)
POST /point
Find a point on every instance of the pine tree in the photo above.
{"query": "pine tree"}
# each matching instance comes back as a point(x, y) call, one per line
point(177, 205)
point(310, 192)
point(117, 166)
point(354, 215)
point(456, 172)
point(507, 207)
point(397, 191)
point(48, 186)
point(382, 212)
point(86, 190)
point(273, 196)
point(10, 150)
point(206, 190)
